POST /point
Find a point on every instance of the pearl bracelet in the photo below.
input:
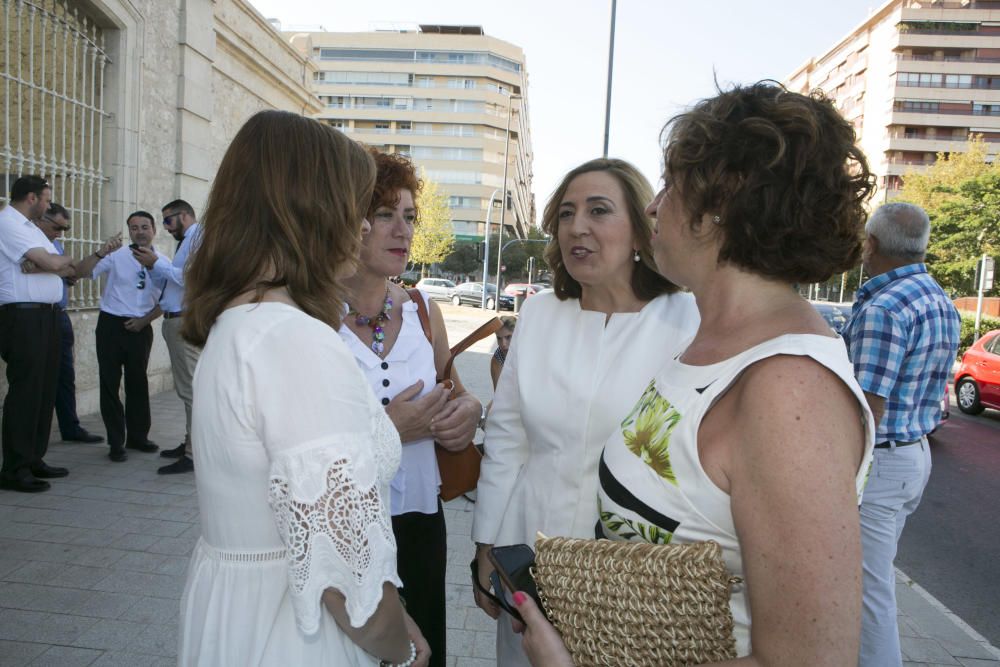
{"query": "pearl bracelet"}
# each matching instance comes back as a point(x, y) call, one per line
point(406, 663)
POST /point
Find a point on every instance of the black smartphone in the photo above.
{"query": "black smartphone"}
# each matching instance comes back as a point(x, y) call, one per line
point(133, 245)
point(513, 573)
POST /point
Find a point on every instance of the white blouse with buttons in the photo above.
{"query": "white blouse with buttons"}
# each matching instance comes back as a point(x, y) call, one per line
point(411, 358)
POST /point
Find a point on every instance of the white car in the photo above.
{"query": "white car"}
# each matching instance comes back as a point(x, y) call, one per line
point(438, 289)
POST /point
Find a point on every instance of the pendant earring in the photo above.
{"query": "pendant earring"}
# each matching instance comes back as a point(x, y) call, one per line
point(716, 219)
point(635, 256)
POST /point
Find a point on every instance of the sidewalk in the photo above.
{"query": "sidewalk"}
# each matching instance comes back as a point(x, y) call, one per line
point(91, 572)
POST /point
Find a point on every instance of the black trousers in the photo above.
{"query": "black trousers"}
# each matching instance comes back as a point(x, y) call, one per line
point(421, 559)
point(69, 422)
point(29, 343)
point(118, 350)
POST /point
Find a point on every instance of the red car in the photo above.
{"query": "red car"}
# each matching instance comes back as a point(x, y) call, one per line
point(977, 382)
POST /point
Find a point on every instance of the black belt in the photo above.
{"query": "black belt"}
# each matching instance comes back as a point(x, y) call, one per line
point(899, 443)
point(30, 305)
point(170, 316)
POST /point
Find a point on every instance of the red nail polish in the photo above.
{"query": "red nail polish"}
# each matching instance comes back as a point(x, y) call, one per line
point(519, 598)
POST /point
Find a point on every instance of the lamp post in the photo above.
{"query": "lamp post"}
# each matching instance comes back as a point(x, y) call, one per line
point(503, 204)
point(486, 250)
point(611, 65)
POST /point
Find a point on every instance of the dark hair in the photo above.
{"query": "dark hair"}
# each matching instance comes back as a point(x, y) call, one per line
point(783, 173)
point(27, 185)
point(57, 209)
point(647, 284)
point(180, 206)
point(394, 173)
point(285, 210)
point(141, 214)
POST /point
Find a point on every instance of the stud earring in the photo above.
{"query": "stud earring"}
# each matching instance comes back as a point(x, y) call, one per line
point(716, 219)
point(635, 256)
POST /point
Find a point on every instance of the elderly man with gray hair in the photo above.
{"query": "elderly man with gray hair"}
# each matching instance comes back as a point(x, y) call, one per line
point(902, 338)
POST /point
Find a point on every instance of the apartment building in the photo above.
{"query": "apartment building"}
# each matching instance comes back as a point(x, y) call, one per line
point(917, 77)
point(449, 97)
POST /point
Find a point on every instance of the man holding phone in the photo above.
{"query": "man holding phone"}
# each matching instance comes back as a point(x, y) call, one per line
point(129, 304)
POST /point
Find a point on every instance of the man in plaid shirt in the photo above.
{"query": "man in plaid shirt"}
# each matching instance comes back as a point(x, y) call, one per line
point(902, 338)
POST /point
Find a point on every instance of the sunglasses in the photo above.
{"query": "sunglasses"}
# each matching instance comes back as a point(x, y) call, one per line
point(168, 219)
point(499, 600)
point(142, 279)
point(59, 228)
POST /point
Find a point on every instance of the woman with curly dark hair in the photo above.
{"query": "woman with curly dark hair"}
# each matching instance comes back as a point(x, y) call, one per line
point(384, 331)
point(763, 436)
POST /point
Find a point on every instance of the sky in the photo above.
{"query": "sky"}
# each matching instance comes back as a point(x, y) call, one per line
point(668, 55)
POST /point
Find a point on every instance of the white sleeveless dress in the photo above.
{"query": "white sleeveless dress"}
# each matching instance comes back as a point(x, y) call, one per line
point(652, 485)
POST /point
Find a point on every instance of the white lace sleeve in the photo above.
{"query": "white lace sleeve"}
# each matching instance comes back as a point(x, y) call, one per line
point(335, 524)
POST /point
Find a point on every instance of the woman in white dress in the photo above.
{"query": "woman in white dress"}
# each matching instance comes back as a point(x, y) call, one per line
point(296, 564)
point(384, 333)
point(757, 436)
point(580, 357)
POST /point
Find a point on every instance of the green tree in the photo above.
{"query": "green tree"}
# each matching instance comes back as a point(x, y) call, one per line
point(433, 237)
point(961, 194)
point(463, 259)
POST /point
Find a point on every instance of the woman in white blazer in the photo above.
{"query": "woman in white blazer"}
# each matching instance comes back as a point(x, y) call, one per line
point(580, 358)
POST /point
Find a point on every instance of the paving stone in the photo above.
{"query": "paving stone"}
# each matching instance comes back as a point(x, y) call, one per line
point(66, 656)
point(484, 646)
point(923, 649)
point(124, 659)
point(134, 542)
point(141, 583)
point(60, 628)
point(155, 611)
point(474, 662)
point(173, 546)
point(157, 639)
point(110, 635)
point(107, 605)
point(58, 574)
point(18, 654)
point(461, 642)
point(15, 623)
point(975, 662)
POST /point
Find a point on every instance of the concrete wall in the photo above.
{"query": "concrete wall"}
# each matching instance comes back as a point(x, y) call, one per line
point(183, 77)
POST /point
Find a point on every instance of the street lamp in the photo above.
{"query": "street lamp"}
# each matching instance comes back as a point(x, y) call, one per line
point(486, 250)
point(503, 205)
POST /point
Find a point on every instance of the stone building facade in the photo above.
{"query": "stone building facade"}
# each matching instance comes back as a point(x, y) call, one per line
point(129, 104)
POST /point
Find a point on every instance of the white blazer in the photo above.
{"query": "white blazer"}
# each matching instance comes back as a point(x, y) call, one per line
point(568, 382)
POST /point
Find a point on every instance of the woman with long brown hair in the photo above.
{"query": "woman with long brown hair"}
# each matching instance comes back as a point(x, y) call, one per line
point(296, 563)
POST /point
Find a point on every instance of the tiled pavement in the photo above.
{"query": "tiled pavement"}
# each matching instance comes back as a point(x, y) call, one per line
point(91, 571)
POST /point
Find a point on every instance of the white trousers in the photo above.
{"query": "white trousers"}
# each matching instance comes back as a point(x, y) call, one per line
point(895, 485)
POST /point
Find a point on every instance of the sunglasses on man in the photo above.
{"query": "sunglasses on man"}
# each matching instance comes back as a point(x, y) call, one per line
point(59, 227)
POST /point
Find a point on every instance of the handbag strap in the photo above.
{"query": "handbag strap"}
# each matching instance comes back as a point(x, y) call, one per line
point(487, 329)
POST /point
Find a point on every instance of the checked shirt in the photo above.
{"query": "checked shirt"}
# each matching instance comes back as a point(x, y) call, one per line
point(902, 338)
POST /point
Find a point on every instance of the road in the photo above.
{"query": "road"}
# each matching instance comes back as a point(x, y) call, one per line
point(951, 545)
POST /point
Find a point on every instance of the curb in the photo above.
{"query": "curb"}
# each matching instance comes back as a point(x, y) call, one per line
point(902, 578)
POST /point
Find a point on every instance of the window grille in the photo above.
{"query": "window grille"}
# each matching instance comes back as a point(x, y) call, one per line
point(52, 117)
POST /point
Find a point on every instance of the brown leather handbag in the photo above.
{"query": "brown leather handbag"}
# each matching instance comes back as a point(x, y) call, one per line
point(459, 470)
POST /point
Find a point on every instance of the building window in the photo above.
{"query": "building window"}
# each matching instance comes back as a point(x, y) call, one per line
point(55, 72)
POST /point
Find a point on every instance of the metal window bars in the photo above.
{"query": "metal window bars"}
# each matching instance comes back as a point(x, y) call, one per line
point(51, 119)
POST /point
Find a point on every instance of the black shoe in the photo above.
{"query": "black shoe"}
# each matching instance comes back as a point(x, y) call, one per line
point(174, 453)
point(25, 483)
point(83, 436)
point(183, 464)
point(147, 446)
point(118, 455)
point(44, 471)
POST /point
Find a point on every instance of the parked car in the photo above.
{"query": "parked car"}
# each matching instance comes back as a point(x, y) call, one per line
point(524, 289)
point(472, 293)
point(977, 382)
point(439, 289)
point(409, 278)
point(835, 314)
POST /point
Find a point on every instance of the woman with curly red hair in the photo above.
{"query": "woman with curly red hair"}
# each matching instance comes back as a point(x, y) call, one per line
point(383, 330)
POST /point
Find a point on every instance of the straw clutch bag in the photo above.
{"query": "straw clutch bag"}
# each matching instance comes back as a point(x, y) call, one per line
point(637, 604)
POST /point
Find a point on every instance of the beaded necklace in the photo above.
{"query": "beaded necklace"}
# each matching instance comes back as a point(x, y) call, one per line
point(375, 322)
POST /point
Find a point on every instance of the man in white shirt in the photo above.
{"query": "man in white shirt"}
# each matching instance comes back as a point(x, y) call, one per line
point(124, 337)
point(180, 221)
point(29, 336)
point(54, 223)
